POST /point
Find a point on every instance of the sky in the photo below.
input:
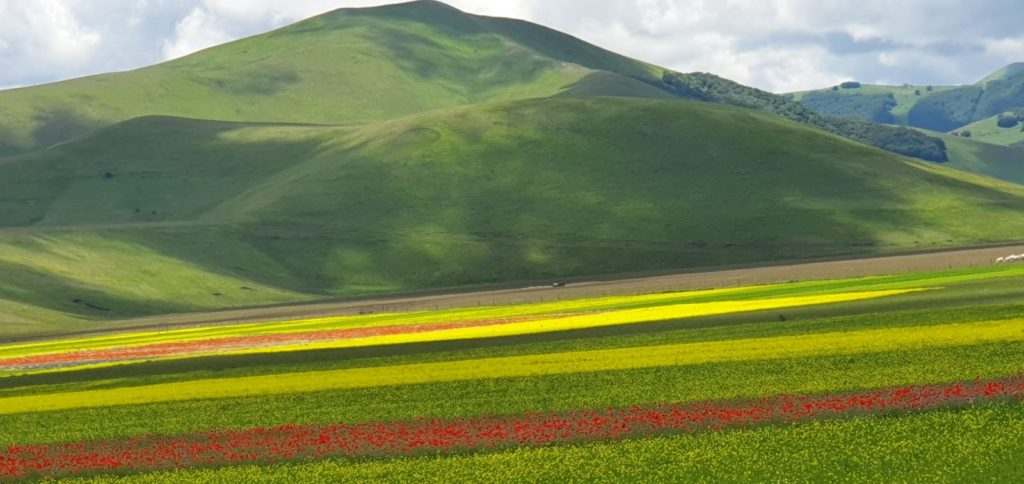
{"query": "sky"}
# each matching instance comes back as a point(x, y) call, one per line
point(776, 45)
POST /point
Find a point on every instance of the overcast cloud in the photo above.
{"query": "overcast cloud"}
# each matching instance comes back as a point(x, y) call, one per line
point(778, 45)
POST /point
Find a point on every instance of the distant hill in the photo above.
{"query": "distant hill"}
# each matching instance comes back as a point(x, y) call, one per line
point(1002, 162)
point(942, 108)
point(711, 88)
point(163, 214)
point(1005, 129)
point(868, 102)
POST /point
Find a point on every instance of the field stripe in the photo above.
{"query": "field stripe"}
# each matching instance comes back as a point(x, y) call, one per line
point(450, 332)
point(413, 437)
point(353, 321)
point(833, 343)
point(598, 320)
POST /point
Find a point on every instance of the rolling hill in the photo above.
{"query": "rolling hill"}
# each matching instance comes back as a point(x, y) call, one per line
point(356, 66)
point(162, 214)
point(942, 108)
point(869, 102)
point(984, 117)
point(1004, 129)
point(711, 88)
point(1002, 162)
point(347, 66)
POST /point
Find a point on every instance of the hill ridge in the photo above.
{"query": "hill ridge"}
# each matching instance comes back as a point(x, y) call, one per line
point(936, 108)
point(393, 60)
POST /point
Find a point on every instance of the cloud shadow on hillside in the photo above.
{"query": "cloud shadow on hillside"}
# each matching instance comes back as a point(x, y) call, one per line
point(59, 125)
point(27, 285)
point(256, 81)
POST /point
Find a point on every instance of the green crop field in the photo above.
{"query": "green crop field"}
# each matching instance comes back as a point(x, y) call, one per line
point(815, 344)
point(895, 447)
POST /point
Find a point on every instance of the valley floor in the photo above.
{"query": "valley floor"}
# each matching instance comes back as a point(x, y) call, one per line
point(707, 279)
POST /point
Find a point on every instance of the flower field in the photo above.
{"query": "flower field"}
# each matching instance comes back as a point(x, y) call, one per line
point(384, 333)
point(297, 442)
point(866, 341)
point(697, 385)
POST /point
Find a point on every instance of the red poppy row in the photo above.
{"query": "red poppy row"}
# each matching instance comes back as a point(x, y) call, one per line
point(156, 350)
point(298, 442)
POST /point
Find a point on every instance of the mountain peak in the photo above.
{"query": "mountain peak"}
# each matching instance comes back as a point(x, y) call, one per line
point(1012, 70)
point(413, 6)
point(430, 12)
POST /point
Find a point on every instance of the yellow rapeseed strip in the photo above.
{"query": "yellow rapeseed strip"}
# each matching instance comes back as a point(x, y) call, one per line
point(139, 338)
point(583, 321)
point(833, 343)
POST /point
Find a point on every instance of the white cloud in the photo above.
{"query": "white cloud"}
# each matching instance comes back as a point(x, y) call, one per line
point(774, 44)
point(1011, 49)
point(44, 36)
point(196, 31)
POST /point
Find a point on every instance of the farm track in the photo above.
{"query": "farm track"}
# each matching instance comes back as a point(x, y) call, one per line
point(577, 289)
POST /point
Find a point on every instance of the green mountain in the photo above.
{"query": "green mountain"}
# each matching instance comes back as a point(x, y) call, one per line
point(943, 108)
point(364, 65)
point(348, 66)
point(415, 147)
point(869, 102)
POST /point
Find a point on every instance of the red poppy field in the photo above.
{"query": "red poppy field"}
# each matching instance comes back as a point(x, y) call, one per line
point(402, 438)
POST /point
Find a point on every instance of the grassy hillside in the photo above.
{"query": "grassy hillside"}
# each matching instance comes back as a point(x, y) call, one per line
point(949, 110)
point(355, 66)
point(989, 130)
point(987, 159)
point(936, 108)
point(348, 66)
point(709, 87)
point(1008, 72)
point(976, 109)
point(164, 214)
point(870, 102)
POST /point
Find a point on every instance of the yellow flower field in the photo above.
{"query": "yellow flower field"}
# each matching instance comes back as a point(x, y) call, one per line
point(136, 338)
point(206, 344)
point(750, 349)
